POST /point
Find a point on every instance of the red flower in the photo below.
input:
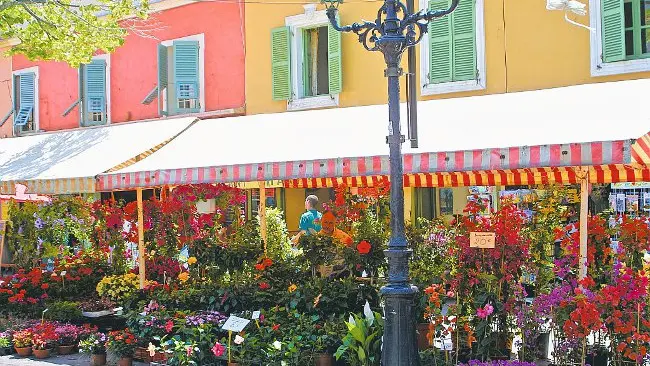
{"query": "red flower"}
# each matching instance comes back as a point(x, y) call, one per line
point(276, 327)
point(364, 247)
point(267, 262)
point(45, 286)
point(259, 267)
point(264, 286)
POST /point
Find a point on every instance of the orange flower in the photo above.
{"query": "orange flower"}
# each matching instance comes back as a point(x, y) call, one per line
point(267, 262)
point(364, 247)
point(259, 267)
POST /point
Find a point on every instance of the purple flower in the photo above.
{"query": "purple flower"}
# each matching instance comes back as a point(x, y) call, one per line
point(39, 223)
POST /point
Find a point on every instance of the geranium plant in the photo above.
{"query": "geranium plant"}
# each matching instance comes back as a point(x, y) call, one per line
point(122, 343)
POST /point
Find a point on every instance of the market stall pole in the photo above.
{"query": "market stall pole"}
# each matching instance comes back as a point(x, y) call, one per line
point(584, 213)
point(262, 213)
point(141, 250)
point(393, 32)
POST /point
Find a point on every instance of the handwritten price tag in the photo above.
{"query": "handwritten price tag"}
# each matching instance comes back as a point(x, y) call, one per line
point(256, 315)
point(235, 324)
point(482, 240)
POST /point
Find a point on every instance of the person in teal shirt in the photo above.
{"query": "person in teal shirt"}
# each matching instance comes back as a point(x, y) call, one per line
point(309, 221)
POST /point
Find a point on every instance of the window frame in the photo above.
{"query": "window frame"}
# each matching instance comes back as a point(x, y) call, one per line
point(600, 67)
point(296, 24)
point(455, 86)
point(82, 84)
point(200, 38)
point(36, 108)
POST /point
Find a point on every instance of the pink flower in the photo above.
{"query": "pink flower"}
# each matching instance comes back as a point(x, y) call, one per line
point(189, 351)
point(218, 349)
point(485, 311)
point(169, 326)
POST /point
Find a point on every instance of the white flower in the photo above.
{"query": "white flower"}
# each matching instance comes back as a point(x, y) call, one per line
point(370, 317)
point(277, 345)
point(239, 339)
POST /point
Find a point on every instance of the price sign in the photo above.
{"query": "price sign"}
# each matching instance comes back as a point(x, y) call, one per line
point(256, 315)
point(482, 240)
point(235, 324)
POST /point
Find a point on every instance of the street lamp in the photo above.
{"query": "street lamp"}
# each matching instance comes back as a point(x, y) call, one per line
point(394, 30)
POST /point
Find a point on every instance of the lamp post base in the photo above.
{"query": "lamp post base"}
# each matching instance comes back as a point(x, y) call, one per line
point(400, 342)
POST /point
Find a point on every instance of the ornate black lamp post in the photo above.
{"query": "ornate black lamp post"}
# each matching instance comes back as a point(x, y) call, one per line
point(392, 33)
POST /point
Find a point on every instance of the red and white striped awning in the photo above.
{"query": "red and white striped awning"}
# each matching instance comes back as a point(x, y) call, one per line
point(504, 138)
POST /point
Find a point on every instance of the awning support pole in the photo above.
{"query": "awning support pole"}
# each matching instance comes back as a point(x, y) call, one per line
point(262, 213)
point(584, 213)
point(141, 250)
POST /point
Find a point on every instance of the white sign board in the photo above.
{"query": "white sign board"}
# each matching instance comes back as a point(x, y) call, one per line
point(256, 315)
point(235, 324)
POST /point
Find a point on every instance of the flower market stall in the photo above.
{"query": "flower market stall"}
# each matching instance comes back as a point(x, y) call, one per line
point(220, 289)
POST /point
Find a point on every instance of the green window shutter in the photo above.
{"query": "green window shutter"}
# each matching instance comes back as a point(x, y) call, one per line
point(613, 30)
point(440, 55)
point(186, 74)
point(94, 78)
point(281, 63)
point(334, 60)
point(464, 41)
point(27, 99)
point(163, 67)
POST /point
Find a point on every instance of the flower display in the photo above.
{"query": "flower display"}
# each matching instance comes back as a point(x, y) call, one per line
point(118, 287)
point(94, 343)
point(68, 334)
point(121, 342)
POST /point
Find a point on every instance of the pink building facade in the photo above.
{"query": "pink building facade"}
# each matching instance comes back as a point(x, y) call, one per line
point(191, 63)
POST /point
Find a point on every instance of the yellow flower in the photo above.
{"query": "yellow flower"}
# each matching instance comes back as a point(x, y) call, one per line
point(191, 260)
point(183, 276)
point(292, 288)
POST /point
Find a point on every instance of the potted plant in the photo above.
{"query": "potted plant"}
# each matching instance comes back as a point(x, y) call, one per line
point(43, 340)
point(95, 345)
point(23, 342)
point(68, 338)
point(5, 344)
point(122, 343)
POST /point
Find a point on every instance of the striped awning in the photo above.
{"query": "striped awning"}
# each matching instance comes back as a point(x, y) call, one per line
point(516, 177)
point(66, 162)
point(485, 166)
point(552, 128)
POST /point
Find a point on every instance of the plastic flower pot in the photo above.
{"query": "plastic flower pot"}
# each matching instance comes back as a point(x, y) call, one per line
point(323, 359)
point(125, 361)
point(24, 351)
point(42, 353)
point(65, 350)
point(98, 360)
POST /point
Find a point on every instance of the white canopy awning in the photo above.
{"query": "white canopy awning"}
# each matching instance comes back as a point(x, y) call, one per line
point(570, 126)
point(68, 161)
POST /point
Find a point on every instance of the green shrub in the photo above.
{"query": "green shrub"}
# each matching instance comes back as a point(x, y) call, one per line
point(63, 311)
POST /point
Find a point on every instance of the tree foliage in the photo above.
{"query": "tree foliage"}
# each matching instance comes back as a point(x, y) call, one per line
point(70, 30)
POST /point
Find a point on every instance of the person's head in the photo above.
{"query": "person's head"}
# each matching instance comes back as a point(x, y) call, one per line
point(328, 223)
point(311, 202)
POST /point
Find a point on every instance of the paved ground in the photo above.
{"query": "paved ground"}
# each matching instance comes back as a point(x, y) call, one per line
point(72, 360)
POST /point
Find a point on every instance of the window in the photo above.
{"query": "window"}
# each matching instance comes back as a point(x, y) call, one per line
point(306, 61)
point(453, 50)
point(93, 93)
point(179, 77)
point(620, 43)
point(25, 97)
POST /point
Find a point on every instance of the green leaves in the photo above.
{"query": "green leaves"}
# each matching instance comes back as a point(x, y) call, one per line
point(60, 30)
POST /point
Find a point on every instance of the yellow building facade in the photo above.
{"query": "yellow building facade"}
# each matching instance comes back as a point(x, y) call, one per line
point(519, 45)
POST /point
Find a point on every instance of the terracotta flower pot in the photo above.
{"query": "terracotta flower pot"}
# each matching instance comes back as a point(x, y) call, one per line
point(125, 361)
point(233, 363)
point(423, 341)
point(323, 359)
point(65, 350)
point(98, 360)
point(23, 351)
point(42, 353)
